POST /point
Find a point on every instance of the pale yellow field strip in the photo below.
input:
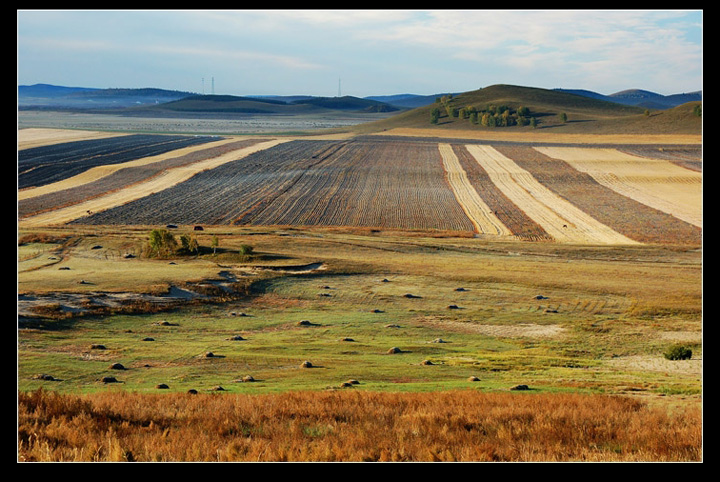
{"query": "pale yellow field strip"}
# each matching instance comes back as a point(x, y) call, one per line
point(158, 183)
point(36, 137)
point(657, 183)
point(99, 172)
point(558, 217)
point(537, 136)
point(477, 211)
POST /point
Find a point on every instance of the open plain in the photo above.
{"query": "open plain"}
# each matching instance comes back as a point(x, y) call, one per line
point(395, 281)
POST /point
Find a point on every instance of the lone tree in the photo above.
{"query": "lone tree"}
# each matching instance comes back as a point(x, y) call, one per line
point(434, 115)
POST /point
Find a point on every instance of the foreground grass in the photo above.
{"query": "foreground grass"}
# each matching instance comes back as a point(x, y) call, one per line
point(350, 426)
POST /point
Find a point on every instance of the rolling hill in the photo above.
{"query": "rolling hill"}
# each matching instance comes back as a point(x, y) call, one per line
point(584, 113)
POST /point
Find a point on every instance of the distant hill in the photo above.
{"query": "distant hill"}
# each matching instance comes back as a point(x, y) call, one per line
point(410, 101)
point(53, 96)
point(585, 113)
point(45, 96)
point(349, 103)
point(272, 105)
point(641, 98)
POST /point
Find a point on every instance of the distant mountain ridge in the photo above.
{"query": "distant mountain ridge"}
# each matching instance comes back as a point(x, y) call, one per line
point(52, 96)
point(640, 98)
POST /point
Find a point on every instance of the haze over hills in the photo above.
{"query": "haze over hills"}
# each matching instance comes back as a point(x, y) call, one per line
point(48, 96)
point(641, 98)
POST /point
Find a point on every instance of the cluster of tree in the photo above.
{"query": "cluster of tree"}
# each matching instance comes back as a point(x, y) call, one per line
point(491, 116)
point(163, 244)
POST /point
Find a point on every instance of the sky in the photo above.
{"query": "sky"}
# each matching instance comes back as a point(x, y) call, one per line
point(361, 52)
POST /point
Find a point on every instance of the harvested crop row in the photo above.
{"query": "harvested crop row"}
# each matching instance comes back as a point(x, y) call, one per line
point(47, 164)
point(106, 206)
point(482, 217)
point(224, 193)
point(105, 179)
point(371, 184)
point(559, 218)
point(507, 212)
point(627, 216)
point(656, 183)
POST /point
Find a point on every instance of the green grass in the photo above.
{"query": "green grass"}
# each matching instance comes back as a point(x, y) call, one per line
point(496, 334)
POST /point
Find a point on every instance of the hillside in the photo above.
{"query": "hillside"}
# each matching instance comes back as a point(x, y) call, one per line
point(584, 114)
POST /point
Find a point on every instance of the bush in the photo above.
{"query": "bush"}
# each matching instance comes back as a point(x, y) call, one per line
point(678, 352)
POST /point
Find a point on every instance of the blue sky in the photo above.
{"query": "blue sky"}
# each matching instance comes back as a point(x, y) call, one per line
point(362, 52)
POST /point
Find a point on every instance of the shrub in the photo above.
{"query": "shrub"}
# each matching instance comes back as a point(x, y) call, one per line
point(678, 352)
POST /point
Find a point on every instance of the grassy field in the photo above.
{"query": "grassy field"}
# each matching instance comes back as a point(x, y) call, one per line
point(605, 318)
point(602, 310)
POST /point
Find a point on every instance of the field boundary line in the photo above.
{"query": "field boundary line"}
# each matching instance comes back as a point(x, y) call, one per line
point(167, 179)
point(475, 208)
point(657, 183)
point(96, 173)
point(557, 216)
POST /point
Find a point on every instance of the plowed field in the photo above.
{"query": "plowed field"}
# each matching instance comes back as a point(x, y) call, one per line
point(657, 183)
point(582, 195)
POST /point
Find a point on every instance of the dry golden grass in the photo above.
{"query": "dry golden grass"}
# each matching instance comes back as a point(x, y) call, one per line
point(351, 425)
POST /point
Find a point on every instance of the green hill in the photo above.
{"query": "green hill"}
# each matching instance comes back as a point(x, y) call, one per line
point(547, 107)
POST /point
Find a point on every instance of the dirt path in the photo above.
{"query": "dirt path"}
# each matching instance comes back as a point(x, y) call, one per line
point(165, 180)
point(480, 214)
point(559, 218)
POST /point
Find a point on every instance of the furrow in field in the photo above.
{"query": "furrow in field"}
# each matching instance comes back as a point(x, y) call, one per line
point(95, 173)
point(169, 178)
point(478, 212)
point(657, 183)
point(558, 217)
